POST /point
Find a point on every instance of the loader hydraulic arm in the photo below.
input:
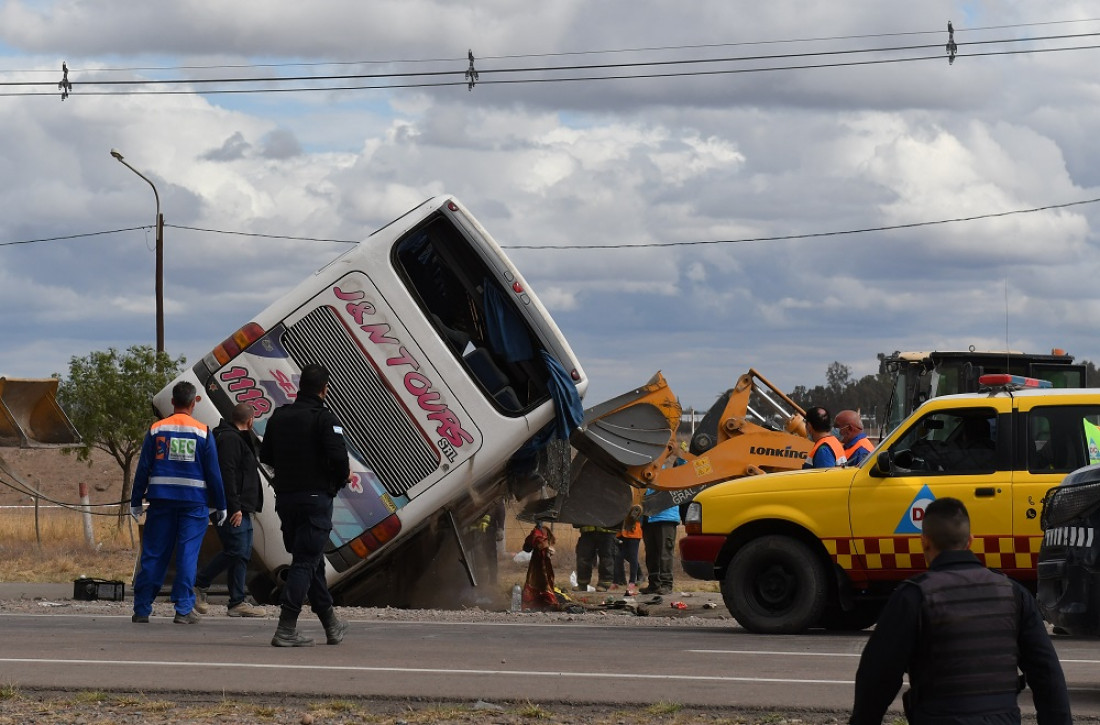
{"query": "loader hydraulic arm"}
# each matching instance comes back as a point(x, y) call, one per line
point(630, 443)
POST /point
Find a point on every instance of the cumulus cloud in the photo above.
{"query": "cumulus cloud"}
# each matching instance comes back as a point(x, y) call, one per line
point(761, 175)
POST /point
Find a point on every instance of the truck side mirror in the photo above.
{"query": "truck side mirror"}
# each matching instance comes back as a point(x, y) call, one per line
point(884, 465)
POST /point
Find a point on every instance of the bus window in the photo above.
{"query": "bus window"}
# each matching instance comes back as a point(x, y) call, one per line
point(464, 302)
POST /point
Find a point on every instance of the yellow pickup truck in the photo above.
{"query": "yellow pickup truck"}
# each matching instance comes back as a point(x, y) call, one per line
point(825, 547)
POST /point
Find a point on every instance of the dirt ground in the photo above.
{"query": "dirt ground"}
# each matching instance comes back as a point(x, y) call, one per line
point(58, 476)
point(121, 708)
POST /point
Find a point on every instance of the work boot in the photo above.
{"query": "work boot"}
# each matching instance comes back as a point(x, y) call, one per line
point(335, 628)
point(286, 634)
point(244, 609)
point(191, 617)
point(202, 605)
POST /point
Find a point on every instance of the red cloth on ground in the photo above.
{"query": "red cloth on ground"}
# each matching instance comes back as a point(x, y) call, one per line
point(538, 589)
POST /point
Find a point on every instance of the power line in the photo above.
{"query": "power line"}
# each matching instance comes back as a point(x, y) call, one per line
point(636, 76)
point(814, 235)
point(548, 69)
point(606, 51)
point(647, 245)
point(262, 236)
point(71, 236)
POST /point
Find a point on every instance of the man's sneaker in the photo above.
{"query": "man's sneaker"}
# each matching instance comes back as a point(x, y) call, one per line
point(602, 587)
point(202, 605)
point(140, 619)
point(191, 617)
point(580, 588)
point(244, 609)
point(665, 590)
point(651, 589)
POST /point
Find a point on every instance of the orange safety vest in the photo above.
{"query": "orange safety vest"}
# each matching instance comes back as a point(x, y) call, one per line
point(634, 533)
point(863, 443)
point(833, 443)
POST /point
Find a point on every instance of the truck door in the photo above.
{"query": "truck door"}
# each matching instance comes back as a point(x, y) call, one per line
point(1057, 439)
point(961, 452)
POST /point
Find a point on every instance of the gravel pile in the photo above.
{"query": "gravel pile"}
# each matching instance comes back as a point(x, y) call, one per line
point(699, 609)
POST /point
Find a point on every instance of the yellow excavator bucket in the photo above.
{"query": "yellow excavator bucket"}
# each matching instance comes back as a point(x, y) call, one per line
point(30, 416)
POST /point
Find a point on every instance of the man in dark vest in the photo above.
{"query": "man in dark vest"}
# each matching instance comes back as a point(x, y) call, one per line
point(304, 443)
point(963, 633)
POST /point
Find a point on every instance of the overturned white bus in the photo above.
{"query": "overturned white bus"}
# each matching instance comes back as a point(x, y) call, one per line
point(444, 365)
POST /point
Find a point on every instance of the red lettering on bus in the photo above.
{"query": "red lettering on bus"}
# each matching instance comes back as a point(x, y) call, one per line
point(341, 294)
point(285, 383)
point(918, 514)
point(245, 389)
point(450, 428)
point(416, 383)
point(405, 359)
point(359, 310)
point(379, 334)
point(428, 400)
point(234, 373)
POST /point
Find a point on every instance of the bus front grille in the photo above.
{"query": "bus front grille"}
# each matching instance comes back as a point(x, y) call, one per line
point(376, 426)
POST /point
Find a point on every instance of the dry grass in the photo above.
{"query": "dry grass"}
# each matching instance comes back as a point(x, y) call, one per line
point(17, 706)
point(57, 551)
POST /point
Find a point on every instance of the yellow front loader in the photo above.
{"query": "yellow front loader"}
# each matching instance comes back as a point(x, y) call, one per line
point(631, 443)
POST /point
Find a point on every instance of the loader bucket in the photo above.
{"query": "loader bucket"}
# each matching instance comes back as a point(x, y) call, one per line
point(634, 436)
point(593, 497)
point(631, 430)
point(621, 441)
point(30, 416)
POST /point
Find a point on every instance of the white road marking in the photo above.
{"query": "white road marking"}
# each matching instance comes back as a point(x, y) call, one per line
point(419, 670)
point(778, 653)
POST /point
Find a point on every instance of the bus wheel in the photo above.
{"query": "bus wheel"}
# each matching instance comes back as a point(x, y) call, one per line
point(775, 585)
point(263, 590)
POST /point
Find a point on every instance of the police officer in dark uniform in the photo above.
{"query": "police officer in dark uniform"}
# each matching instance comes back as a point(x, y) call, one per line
point(963, 633)
point(304, 443)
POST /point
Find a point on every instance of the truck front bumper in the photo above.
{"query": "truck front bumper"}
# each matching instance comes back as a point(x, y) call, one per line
point(698, 552)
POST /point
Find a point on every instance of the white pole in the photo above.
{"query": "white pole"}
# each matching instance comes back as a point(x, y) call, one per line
point(86, 505)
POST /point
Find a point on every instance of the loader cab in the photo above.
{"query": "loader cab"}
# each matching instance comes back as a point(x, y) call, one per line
point(919, 376)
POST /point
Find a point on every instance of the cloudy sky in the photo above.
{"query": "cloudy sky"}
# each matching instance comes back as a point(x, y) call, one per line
point(695, 166)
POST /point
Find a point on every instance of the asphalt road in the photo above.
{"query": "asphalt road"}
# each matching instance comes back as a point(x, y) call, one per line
point(577, 661)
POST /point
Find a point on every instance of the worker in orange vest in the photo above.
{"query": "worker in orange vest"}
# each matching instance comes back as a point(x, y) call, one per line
point(827, 451)
point(856, 444)
point(626, 555)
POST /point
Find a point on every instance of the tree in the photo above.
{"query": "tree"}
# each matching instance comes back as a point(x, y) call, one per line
point(109, 398)
point(838, 377)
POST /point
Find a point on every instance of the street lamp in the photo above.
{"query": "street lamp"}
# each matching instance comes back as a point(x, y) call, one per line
point(160, 253)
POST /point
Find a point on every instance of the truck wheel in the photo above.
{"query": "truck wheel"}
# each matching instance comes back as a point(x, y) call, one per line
point(775, 585)
point(861, 616)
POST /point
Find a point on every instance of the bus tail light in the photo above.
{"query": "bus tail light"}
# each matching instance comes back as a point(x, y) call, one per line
point(236, 343)
point(375, 536)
